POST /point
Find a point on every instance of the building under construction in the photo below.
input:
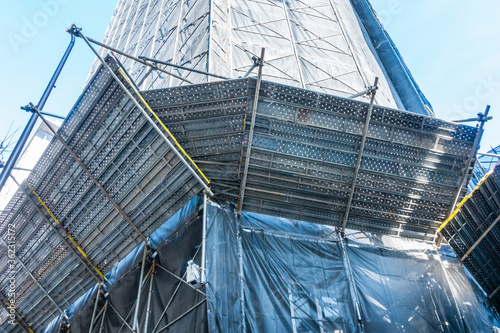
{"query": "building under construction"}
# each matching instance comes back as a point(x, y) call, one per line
point(251, 165)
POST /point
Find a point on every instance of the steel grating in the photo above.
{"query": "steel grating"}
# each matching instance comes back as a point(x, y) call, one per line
point(133, 164)
point(304, 153)
point(301, 166)
point(467, 233)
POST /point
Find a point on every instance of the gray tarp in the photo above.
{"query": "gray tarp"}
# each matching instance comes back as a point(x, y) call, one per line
point(176, 241)
point(269, 274)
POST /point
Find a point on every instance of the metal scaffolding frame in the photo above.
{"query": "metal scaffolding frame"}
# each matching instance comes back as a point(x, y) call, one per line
point(472, 232)
point(110, 180)
point(301, 165)
point(139, 317)
point(65, 172)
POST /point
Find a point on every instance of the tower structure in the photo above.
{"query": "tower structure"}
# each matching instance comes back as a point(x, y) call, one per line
point(332, 46)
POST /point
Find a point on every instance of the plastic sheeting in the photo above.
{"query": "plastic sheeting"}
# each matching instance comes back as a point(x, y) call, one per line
point(267, 274)
point(331, 46)
point(407, 287)
point(177, 241)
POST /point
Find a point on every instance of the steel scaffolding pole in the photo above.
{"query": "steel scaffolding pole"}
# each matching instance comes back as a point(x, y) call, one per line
point(365, 92)
point(241, 196)
point(204, 239)
point(350, 282)
point(64, 239)
point(494, 292)
point(360, 157)
point(137, 59)
point(489, 154)
point(150, 293)
point(476, 243)
point(103, 317)
point(131, 309)
point(256, 62)
point(475, 146)
point(483, 118)
point(34, 117)
point(36, 281)
point(155, 61)
point(121, 318)
point(77, 31)
point(98, 318)
point(135, 326)
point(173, 295)
point(182, 280)
point(95, 307)
point(182, 315)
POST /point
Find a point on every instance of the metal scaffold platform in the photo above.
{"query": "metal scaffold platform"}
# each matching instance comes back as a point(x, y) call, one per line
point(325, 181)
point(473, 234)
point(313, 157)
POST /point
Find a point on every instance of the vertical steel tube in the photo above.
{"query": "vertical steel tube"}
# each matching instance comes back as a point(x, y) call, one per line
point(350, 282)
point(360, 157)
point(95, 308)
point(148, 309)
point(204, 239)
point(103, 317)
point(60, 325)
point(138, 301)
point(472, 154)
point(34, 117)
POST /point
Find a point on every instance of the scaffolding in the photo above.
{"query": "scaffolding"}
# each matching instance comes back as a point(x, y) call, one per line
point(287, 175)
point(472, 233)
point(142, 141)
point(322, 282)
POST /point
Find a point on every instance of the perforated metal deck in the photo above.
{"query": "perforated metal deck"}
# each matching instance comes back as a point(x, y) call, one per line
point(469, 223)
point(305, 149)
point(301, 166)
point(133, 164)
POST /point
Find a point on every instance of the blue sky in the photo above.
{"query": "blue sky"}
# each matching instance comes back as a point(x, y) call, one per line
point(33, 41)
point(451, 48)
